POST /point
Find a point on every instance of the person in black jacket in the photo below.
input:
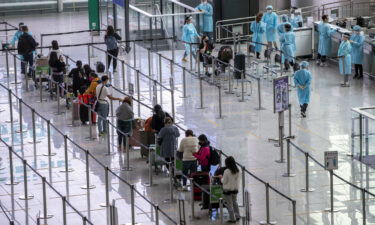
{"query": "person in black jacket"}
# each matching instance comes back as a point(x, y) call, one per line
point(26, 46)
point(158, 118)
point(79, 82)
point(110, 40)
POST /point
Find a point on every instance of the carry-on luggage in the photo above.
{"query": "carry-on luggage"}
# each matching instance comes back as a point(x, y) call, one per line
point(100, 68)
point(239, 65)
point(75, 110)
point(200, 178)
point(135, 139)
point(147, 139)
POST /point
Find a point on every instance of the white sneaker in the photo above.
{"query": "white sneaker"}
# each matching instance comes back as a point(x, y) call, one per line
point(345, 84)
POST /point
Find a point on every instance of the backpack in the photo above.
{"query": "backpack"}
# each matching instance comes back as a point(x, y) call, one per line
point(225, 53)
point(148, 123)
point(52, 62)
point(214, 157)
point(100, 68)
point(26, 44)
point(111, 42)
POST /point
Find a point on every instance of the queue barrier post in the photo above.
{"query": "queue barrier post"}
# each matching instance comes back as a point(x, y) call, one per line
point(88, 185)
point(26, 195)
point(12, 181)
point(106, 174)
point(268, 219)
point(49, 153)
point(127, 150)
point(45, 215)
point(307, 184)
point(66, 169)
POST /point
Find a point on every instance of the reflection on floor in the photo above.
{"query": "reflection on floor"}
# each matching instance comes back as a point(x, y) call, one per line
point(242, 133)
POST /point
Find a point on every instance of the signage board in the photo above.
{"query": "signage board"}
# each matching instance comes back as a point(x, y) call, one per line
point(331, 160)
point(119, 2)
point(94, 22)
point(281, 94)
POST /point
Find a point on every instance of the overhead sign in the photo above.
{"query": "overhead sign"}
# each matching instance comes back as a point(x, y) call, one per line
point(94, 22)
point(119, 2)
point(331, 160)
point(281, 94)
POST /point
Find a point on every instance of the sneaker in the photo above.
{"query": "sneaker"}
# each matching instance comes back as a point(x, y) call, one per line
point(101, 134)
point(355, 76)
point(114, 71)
point(184, 60)
point(303, 114)
point(359, 77)
point(345, 84)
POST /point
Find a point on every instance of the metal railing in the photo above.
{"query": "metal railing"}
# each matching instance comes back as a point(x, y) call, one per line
point(88, 155)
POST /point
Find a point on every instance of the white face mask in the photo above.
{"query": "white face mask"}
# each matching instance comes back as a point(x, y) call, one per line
point(269, 10)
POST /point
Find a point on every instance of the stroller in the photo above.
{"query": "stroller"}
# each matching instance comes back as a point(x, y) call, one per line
point(224, 56)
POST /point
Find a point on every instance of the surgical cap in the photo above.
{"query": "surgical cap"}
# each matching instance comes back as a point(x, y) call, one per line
point(269, 7)
point(304, 64)
point(357, 28)
point(284, 18)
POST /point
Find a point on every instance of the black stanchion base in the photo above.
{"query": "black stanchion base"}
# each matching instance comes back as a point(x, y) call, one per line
point(220, 117)
point(2, 110)
point(201, 107)
point(48, 216)
point(20, 131)
point(12, 184)
point(261, 108)
point(67, 171)
point(43, 100)
point(8, 121)
point(104, 205)
point(58, 113)
point(330, 211)
point(147, 184)
point(169, 200)
point(187, 96)
point(90, 138)
point(127, 169)
point(50, 154)
point(36, 142)
point(280, 161)
point(289, 175)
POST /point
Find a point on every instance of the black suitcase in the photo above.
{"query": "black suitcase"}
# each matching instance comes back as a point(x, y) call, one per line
point(239, 65)
point(83, 113)
point(100, 68)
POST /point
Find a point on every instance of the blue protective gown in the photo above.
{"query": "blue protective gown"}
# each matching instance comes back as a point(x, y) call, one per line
point(325, 33)
point(357, 48)
point(15, 38)
point(206, 22)
point(296, 20)
point(303, 78)
point(189, 35)
point(288, 46)
point(258, 30)
point(345, 63)
point(270, 19)
point(281, 28)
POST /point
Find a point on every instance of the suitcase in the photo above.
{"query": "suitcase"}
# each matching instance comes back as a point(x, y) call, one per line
point(200, 178)
point(83, 113)
point(75, 110)
point(147, 139)
point(135, 139)
point(239, 64)
point(100, 68)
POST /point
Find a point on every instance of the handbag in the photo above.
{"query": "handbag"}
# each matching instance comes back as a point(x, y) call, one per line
point(179, 155)
point(96, 105)
point(277, 58)
point(267, 53)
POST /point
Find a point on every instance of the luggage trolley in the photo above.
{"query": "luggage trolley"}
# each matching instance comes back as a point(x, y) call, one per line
point(212, 201)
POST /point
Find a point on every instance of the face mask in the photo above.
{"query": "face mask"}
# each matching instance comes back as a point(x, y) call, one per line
point(358, 32)
point(269, 11)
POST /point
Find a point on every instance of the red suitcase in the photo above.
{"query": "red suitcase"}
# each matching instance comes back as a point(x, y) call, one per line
point(200, 178)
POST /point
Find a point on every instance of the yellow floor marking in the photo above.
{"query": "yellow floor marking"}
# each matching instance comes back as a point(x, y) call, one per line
point(251, 133)
point(213, 123)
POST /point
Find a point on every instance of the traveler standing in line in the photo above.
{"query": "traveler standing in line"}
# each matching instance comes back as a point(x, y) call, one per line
point(270, 19)
point(78, 81)
point(189, 35)
point(188, 146)
point(26, 47)
point(356, 40)
point(258, 28)
point(230, 181)
point(345, 61)
point(110, 40)
point(125, 116)
point(203, 154)
point(167, 137)
point(55, 48)
point(95, 81)
point(206, 23)
point(103, 95)
point(324, 46)
point(302, 80)
point(158, 118)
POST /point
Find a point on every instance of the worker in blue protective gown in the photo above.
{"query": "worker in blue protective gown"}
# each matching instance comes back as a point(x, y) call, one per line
point(17, 35)
point(189, 35)
point(288, 46)
point(296, 18)
point(270, 19)
point(324, 47)
point(302, 80)
point(344, 56)
point(356, 40)
point(281, 27)
point(258, 28)
point(206, 22)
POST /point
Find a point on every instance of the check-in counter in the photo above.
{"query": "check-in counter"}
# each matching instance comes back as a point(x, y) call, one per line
point(303, 41)
point(368, 47)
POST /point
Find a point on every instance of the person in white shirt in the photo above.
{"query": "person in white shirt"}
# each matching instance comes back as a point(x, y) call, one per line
point(188, 146)
point(230, 181)
point(103, 95)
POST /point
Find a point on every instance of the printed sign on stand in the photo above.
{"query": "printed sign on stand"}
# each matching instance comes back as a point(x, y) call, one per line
point(281, 94)
point(131, 89)
point(331, 160)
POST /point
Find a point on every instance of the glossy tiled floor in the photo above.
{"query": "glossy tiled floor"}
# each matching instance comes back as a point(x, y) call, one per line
point(243, 133)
